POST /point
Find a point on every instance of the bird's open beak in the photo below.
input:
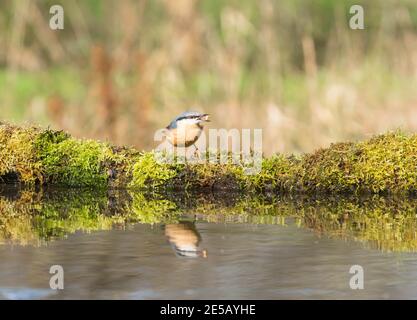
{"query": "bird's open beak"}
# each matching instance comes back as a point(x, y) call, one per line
point(205, 118)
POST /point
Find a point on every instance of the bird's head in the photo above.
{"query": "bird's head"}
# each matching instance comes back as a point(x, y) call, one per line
point(189, 118)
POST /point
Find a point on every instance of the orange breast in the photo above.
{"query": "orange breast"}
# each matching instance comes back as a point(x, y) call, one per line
point(184, 136)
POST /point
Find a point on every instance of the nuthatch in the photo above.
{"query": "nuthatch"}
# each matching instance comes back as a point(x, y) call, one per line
point(185, 129)
point(185, 239)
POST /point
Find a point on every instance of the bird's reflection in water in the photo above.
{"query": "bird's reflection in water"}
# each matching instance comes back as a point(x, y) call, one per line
point(185, 239)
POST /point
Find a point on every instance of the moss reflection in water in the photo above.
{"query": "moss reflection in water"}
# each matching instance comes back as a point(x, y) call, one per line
point(34, 218)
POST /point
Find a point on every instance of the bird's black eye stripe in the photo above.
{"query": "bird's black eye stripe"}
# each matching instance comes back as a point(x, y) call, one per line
point(189, 117)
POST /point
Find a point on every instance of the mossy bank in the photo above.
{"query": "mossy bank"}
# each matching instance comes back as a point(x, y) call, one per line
point(34, 156)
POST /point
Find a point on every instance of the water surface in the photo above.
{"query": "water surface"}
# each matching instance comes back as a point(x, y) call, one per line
point(135, 246)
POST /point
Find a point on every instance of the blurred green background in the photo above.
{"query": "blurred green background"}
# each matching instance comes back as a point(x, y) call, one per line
point(122, 69)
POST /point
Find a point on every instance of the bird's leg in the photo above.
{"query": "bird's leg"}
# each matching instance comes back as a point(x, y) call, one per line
point(183, 155)
point(196, 152)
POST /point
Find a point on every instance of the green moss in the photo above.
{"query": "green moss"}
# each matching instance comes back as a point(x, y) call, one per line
point(75, 163)
point(32, 155)
point(278, 173)
point(213, 176)
point(31, 218)
point(384, 164)
point(148, 172)
point(151, 210)
point(18, 155)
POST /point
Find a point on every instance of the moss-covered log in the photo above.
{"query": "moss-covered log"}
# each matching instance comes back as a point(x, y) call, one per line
point(384, 164)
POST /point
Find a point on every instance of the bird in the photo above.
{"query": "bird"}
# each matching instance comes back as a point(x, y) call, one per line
point(185, 239)
point(186, 128)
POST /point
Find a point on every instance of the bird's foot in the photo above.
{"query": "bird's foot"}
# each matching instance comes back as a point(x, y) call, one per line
point(196, 154)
